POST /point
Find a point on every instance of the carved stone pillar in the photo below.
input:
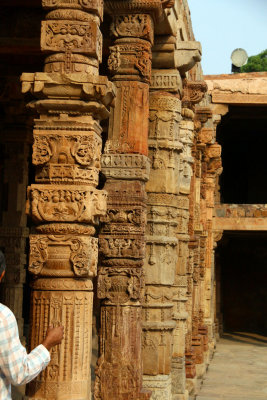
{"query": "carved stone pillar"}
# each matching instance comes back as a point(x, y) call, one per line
point(161, 248)
point(168, 189)
point(211, 168)
point(217, 311)
point(193, 94)
point(64, 202)
point(122, 239)
point(181, 284)
point(16, 138)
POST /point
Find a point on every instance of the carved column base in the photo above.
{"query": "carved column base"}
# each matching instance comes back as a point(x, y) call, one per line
point(178, 376)
point(191, 386)
point(184, 396)
point(157, 346)
point(118, 374)
point(71, 306)
point(203, 331)
point(160, 386)
point(190, 366)
point(197, 343)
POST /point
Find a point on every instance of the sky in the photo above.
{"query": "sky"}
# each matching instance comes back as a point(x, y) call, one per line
point(224, 25)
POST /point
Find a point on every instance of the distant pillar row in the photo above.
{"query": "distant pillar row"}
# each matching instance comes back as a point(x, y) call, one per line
point(171, 136)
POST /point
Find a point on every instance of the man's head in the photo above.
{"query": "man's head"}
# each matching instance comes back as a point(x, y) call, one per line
point(2, 265)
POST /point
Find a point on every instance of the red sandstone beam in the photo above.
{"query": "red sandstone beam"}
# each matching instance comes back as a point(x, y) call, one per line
point(240, 224)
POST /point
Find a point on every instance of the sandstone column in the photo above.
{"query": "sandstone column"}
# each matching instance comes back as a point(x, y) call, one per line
point(211, 168)
point(122, 246)
point(193, 94)
point(122, 239)
point(15, 144)
point(167, 231)
point(161, 249)
point(64, 202)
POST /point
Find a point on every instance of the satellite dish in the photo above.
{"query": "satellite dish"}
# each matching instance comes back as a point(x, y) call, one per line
point(239, 57)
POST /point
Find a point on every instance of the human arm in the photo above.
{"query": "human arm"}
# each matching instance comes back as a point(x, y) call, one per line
point(53, 337)
point(18, 366)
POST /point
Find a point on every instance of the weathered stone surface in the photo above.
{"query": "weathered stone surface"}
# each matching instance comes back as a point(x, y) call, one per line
point(128, 124)
point(122, 237)
point(160, 385)
point(154, 190)
point(64, 203)
point(63, 377)
point(238, 88)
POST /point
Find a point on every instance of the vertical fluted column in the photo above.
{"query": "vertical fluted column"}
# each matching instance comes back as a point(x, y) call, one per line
point(122, 238)
point(64, 202)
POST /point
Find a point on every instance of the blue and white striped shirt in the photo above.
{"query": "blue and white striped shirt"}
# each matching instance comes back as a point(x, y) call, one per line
point(16, 366)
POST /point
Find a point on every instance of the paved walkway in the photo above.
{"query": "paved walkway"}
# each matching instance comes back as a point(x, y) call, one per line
point(238, 370)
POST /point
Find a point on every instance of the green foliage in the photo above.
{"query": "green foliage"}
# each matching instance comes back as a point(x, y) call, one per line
point(256, 63)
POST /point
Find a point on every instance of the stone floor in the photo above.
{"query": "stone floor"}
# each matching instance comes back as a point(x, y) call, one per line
point(238, 370)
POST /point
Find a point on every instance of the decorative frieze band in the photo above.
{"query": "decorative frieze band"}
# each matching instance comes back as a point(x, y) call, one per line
point(125, 166)
point(66, 203)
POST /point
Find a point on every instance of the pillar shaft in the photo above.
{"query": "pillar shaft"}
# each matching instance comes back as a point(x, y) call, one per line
point(63, 202)
point(122, 239)
point(15, 143)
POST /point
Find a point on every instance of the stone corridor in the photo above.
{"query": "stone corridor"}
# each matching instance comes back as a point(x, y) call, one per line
point(238, 370)
point(133, 203)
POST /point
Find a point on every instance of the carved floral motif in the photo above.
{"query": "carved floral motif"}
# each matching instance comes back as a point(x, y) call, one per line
point(133, 25)
point(66, 149)
point(194, 92)
point(87, 5)
point(121, 247)
point(66, 204)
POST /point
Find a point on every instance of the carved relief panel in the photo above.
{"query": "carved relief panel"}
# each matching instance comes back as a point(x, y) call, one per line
point(164, 144)
point(129, 117)
point(67, 157)
point(63, 378)
point(66, 203)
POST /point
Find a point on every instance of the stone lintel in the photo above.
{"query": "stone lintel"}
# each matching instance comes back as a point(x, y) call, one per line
point(240, 224)
point(239, 99)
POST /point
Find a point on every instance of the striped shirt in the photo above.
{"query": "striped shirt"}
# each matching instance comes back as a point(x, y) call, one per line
point(16, 366)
